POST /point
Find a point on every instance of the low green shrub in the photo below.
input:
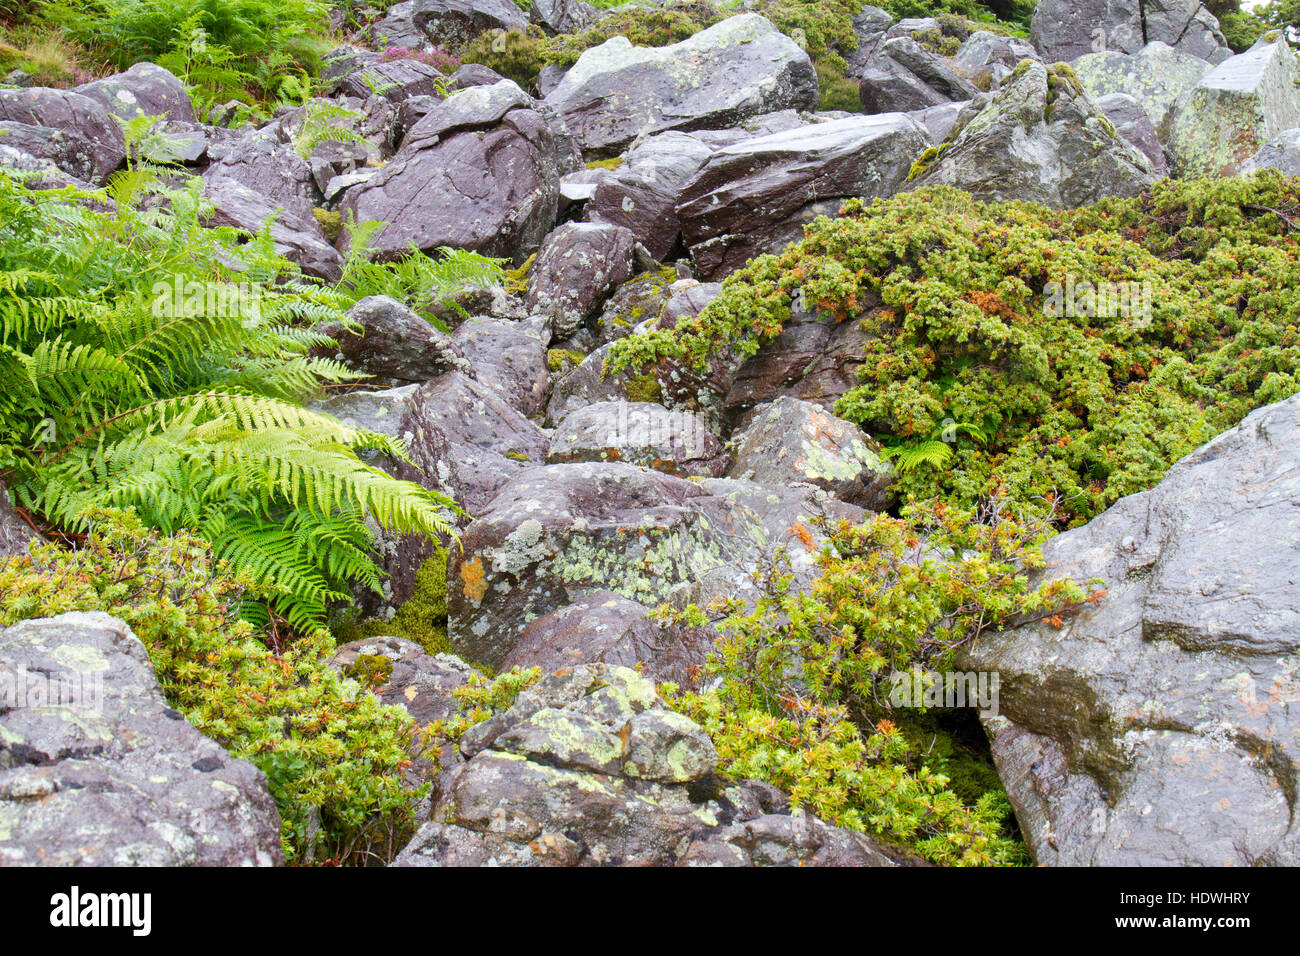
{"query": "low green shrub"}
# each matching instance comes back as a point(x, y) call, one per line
point(335, 758)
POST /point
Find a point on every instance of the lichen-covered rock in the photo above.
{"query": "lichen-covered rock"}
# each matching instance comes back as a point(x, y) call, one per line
point(100, 139)
point(1068, 29)
point(562, 16)
point(145, 89)
point(509, 356)
point(988, 54)
point(26, 146)
point(469, 179)
point(396, 80)
point(384, 338)
point(578, 265)
point(1282, 153)
point(1155, 76)
point(757, 195)
point(1038, 138)
point(789, 441)
point(640, 433)
point(783, 840)
point(735, 69)
point(587, 383)
point(555, 534)
point(642, 194)
point(1212, 129)
point(97, 770)
point(607, 628)
point(447, 24)
point(590, 768)
point(420, 682)
point(1158, 727)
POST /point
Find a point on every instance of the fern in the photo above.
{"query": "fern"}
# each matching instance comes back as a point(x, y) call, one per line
point(118, 391)
point(935, 451)
point(320, 120)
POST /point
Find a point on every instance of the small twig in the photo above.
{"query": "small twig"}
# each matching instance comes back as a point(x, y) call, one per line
point(1290, 223)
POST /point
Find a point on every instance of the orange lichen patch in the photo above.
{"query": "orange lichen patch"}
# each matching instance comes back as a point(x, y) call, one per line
point(471, 572)
point(804, 535)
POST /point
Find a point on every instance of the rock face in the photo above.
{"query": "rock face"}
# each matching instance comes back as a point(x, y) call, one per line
point(450, 24)
point(260, 161)
point(1240, 105)
point(80, 118)
point(384, 338)
point(1038, 138)
point(738, 68)
point(757, 195)
point(1155, 76)
point(1281, 153)
point(146, 89)
point(789, 441)
point(987, 54)
point(558, 533)
point(590, 768)
point(1067, 29)
point(1159, 727)
point(578, 265)
point(97, 770)
point(480, 172)
point(640, 433)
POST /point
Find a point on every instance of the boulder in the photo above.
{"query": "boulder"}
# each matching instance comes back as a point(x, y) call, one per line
point(788, 442)
point(870, 25)
point(639, 433)
point(1212, 129)
point(757, 195)
point(492, 189)
point(1068, 29)
point(145, 89)
point(96, 769)
point(1133, 123)
point(642, 194)
point(1158, 727)
point(451, 24)
point(1040, 139)
point(297, 237)
point(66, 150)
point(985, 54)
point(261, 161)
point(83, 120)
point(419, 682)
point(577, 267)
point(587, 384)
point(469, 439)
point(509, 357)
point(384, 338)
point(1282, 153)
point(1155, 76)
point(607, 628)
point(396, 80)
point(555, 534)
point(589, 767)
point(562, 16)
point(735, 69)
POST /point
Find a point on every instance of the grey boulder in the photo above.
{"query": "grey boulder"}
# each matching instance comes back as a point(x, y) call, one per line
point(639, 433)
point(1158, 727)
point(577, 267)
point(79, 117)
point(735, 69)
point(96, 769)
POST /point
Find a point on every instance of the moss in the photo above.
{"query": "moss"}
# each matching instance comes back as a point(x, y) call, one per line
point(423, 618)
point(835, 91)
point(614, 163)
point(557, 360)
point(644, 388)
point(1066, 73)
point(330, 222)
point(925, 161)
point(517, 456)
point(517, 279)
point(370, 669)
